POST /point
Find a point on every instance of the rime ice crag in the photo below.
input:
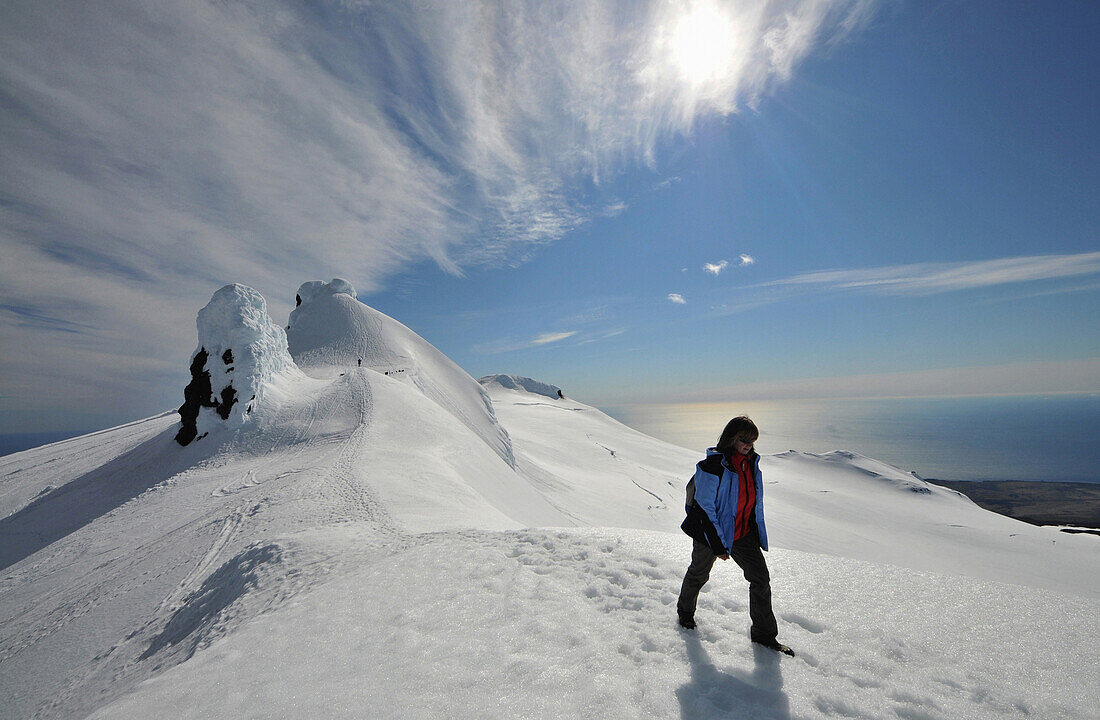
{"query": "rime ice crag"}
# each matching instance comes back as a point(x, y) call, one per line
point(327, 327)
point(240, 349)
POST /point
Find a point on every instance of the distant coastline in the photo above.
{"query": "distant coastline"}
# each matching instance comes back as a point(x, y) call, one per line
point(1036, 502)
point(965, 438)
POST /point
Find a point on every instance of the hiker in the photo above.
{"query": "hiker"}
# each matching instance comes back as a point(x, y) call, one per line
point(725, 518)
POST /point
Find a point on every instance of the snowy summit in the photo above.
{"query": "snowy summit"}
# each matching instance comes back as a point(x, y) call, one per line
point(526, 384)
point(368, 532)
point(330, 329)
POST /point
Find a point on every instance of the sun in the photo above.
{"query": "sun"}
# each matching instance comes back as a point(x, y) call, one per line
point(701, 43)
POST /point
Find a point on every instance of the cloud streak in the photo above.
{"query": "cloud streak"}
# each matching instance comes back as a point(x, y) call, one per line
point(154, 151)
point(614, 209)
point(552, 337)
point(514, 344)
point(930, 278)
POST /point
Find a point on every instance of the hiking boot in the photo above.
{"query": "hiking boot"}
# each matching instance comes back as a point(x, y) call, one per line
point(687, 622)
point(775, 645)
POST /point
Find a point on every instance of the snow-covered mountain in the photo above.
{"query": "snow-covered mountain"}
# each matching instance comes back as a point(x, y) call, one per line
point(393, 539)
point(330, 331)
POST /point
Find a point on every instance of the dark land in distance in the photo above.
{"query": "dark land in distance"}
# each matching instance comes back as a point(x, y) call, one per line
point(1038, 503)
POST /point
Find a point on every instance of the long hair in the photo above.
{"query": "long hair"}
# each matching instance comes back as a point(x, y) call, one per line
point(737, 426)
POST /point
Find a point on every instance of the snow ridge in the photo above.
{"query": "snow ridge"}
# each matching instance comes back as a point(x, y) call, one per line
point(330, 331)
point(523, 384)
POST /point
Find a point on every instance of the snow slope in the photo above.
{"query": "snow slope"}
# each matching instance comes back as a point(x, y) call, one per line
point(330, 330)
point(362, 549)
point(578, 624)
point(606, 474)
point(592, 467)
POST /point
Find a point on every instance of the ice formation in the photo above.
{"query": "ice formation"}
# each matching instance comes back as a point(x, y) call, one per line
point(309, 290)
point(240, 350)
point(325, 327)
point(525, 384)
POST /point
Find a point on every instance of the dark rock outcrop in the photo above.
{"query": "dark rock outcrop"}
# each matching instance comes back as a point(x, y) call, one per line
point(199, 393)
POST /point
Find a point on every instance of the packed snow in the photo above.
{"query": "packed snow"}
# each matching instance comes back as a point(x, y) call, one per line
point(578, 624)
point(377, 543)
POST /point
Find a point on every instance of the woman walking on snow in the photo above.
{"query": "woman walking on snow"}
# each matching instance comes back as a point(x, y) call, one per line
point(725, 518)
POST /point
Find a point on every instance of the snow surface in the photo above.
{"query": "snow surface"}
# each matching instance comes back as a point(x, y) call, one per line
point(330, 331)
point(359, 549)
point(577, 624)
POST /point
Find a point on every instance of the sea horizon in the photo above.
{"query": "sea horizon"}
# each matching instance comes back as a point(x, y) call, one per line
point(1049, 438)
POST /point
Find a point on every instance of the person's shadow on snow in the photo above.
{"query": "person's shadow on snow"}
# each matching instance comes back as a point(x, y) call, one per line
point(61, 511)
point(714, 693)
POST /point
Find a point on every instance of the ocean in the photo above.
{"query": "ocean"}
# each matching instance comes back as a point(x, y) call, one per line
point(1049, 438)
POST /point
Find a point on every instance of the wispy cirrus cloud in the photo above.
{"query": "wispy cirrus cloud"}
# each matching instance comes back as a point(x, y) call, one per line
point(154, 151)
point(614, 209)
point(928, 278)
point(677, 299)
point(514, 344)
point(1049, 275)
point(746, 260)
point(552, 337)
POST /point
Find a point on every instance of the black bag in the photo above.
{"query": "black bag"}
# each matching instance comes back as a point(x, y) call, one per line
point(697, 525)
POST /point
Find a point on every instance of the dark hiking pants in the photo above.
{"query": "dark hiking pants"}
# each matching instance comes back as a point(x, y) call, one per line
point(747, 554)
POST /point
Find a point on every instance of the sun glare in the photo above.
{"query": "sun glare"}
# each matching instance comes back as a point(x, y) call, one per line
point(701, 43)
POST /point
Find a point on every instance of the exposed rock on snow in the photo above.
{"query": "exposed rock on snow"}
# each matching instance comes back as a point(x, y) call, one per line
point(525, 384)
point(240, 350)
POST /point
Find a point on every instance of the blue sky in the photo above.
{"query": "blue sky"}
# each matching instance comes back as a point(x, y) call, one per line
point(952, 147)
point(894, 198)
